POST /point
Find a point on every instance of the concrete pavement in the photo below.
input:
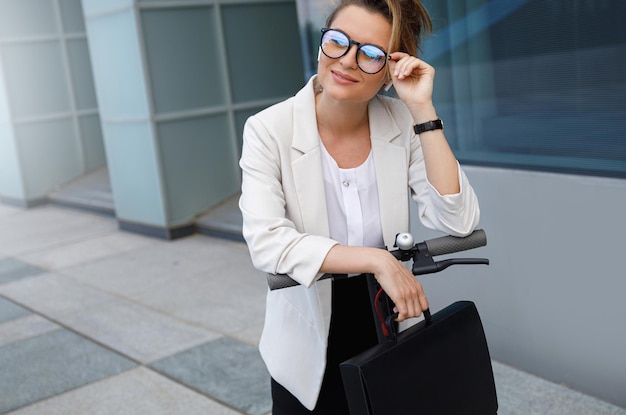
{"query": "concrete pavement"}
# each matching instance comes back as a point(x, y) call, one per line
point(94, 320)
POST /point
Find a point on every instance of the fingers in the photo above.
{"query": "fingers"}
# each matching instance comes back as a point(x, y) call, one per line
point(405, 291)
point(412, 78)
point(410, 300)
point(400, 285)
point(403, 65)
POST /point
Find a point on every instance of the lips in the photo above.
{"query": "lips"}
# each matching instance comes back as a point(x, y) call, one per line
point(342, 77)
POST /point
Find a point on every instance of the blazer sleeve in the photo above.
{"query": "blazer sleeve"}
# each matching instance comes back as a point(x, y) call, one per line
point(456, 214)
point(267, 202)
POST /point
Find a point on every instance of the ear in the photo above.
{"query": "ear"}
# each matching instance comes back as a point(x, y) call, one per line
point(319, 53)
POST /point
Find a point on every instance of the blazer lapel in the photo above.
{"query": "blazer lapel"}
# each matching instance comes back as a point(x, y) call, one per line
point(307, 164)
point(391, 172)
point(308, 177)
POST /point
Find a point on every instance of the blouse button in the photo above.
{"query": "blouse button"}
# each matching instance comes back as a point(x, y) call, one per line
point(346, 183)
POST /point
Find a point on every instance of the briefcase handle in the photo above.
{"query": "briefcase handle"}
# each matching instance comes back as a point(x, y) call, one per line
point(389, 326)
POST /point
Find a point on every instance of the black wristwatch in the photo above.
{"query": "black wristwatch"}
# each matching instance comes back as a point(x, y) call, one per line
point(428, 126)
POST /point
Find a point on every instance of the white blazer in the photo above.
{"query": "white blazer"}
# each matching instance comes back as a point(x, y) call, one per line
point(286, 226)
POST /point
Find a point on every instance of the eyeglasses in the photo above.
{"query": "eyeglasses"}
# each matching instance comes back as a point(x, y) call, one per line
point(370, 58)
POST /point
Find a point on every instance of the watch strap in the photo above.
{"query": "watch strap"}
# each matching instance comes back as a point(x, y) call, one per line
point(428, 126)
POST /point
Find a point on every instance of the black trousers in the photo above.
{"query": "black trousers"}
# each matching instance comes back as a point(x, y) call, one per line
point(352, 331)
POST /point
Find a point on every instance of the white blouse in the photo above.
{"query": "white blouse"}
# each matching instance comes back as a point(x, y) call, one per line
point(352, 202)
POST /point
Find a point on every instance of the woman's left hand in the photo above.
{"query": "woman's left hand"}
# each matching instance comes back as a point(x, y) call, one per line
point(412, 78)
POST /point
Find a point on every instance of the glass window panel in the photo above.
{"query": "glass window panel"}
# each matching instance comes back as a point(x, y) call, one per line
point(4, 105)
point(117, 66)
point(93, 145)
point(49, 154)
point(35, 79)
point(72, 15)
point(134, 172)
point(532, 84)
point(264, 60)
point(198, 164)
point(93, 7)
point(11, 184)
point(82, 77)
point(27, 18)
point(183, 59)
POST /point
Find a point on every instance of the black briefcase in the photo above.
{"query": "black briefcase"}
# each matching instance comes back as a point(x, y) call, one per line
point(439, 366)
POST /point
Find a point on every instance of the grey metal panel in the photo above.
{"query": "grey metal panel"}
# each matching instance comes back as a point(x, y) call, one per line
point(72, 16)
point(197, 165)
point(26, 18)
point(181, 50)
point(35, 79)
point(265, 60)
point(81, 74)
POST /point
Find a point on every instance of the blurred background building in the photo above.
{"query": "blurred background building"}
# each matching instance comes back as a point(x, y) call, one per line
point(135, 108)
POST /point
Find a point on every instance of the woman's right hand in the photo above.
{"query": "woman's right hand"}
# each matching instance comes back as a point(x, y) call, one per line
point(398, 282)
point(400, 285)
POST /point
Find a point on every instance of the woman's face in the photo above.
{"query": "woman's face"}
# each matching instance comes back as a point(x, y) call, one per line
point(341, 78)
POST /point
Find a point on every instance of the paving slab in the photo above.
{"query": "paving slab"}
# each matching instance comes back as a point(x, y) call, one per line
point(11, 311)
point(220, 304)
point(250, 335)
point(23, 328)
point(87, 250)
point(54, 295)
point(6, 209)
point(47, 226)
point(50, 364)
point(139, 270)
point(200, 280)
point(135, 331)
point(225, 369)
point(138, 391)
point(147, 267)
point(12, 269)
point(520, 393)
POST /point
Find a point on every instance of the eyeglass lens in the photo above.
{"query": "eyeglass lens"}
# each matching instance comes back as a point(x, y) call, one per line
point(369, 58)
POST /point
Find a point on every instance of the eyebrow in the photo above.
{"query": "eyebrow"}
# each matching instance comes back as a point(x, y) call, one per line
point(360, 43)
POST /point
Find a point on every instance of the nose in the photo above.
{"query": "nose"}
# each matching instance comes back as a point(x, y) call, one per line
point(349, 59)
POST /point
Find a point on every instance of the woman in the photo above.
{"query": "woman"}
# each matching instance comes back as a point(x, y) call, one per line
point(326, 177)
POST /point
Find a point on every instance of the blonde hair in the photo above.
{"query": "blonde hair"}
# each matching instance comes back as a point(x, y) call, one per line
point(409, 21)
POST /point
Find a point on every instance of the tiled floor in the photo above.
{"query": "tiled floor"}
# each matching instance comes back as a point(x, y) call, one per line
point(94, 320)
point(52, 363)
point(223, 368)
point(12, 269)
point(98, 321)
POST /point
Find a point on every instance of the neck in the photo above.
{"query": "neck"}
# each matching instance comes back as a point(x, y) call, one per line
point(344, 130)
point(340, 117)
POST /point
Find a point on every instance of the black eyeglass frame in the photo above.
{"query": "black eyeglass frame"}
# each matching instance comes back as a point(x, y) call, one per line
point(359, 47)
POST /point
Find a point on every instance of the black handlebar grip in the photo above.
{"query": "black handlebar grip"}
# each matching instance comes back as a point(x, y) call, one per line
point(449, 244)
point(278, 281)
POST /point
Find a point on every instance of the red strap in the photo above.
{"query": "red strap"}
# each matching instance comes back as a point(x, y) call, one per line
point(380, 314)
